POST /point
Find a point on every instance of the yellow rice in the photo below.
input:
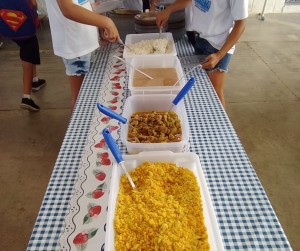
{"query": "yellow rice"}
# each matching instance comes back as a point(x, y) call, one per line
point(163, 213)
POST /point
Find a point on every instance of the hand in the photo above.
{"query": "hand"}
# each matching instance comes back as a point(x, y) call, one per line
point(211, 61)
point(162, 18)
point(111, 33)
point(103, 38)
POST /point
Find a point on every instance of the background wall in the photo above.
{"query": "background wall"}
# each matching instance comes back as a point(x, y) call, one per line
point(273, 6)
point(255, 6)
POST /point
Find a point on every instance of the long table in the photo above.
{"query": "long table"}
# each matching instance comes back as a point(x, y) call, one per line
point(73, 211)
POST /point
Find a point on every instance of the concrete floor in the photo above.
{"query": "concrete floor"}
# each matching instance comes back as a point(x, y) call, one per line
point(263, 103)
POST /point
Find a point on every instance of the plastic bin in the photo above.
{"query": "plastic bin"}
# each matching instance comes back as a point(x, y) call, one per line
point(160, 102)
point(188, 160)
point(134, 38)
point(165, 61)
point(102, 6)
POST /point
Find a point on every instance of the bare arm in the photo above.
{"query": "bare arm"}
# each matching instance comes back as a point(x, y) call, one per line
point(82, 15)
point(234, 36)
point(162, 17)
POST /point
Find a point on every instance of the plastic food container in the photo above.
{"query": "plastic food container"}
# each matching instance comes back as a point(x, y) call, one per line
point(148, 103)
point(188, 160)
point(155, 62)
point(134, 38)
point(102, 6)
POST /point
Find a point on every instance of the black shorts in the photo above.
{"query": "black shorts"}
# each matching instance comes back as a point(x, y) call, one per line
point(29, 50)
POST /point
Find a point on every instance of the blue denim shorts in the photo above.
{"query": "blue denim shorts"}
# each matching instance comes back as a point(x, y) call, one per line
point(203, 47)
point(78, 66)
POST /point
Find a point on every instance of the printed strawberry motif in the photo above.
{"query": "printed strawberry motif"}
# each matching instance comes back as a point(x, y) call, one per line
point(99, 175)
point(105, 162)
point(114, 93)
point(117, 65)
point(114, 100)
point(105, 119)
point(113, 108)
point(117, 86)
point(119, 71)
point(94, 211)
point(96, 194)
point(112, 128)
point(115, 78)
point(81, 238)
point(104, 155)
point(101, 144)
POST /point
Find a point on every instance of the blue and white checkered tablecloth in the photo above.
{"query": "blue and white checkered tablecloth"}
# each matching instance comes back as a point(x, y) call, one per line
point(244, 213)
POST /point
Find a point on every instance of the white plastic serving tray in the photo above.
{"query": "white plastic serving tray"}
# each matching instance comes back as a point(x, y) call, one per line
point(135, 38)
point(155, 61)
point(188, 160)
point(148, 103)
point(103, 6)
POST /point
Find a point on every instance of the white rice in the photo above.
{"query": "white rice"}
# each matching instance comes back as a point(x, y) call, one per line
point(151, 46)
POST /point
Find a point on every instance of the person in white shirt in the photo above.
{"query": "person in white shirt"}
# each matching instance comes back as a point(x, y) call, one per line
point(217, 25)
point(133, 4)
point(74, 31)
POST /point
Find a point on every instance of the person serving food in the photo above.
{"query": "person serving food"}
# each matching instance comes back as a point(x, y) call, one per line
point(216, 26)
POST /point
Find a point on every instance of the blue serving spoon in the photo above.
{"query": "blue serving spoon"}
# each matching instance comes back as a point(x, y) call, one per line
point(183, 92)
point(108, 112)
point(105, 110)
point(112, 145)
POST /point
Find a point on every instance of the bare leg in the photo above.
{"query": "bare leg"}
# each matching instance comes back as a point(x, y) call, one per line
point(75, 84)
point(27, 77)
point(34, 71)
point(217, 79)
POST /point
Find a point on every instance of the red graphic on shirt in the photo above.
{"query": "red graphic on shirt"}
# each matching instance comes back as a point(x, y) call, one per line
point(13, 18)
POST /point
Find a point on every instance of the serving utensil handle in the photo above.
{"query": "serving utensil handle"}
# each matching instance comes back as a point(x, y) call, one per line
point(112, 145)
point(184, 91)
point(110, 113)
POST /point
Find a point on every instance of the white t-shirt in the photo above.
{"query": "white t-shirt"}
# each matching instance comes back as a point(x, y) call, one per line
point(188, 18)
point(214, 19)
point(71, 39)
point(133, 4)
